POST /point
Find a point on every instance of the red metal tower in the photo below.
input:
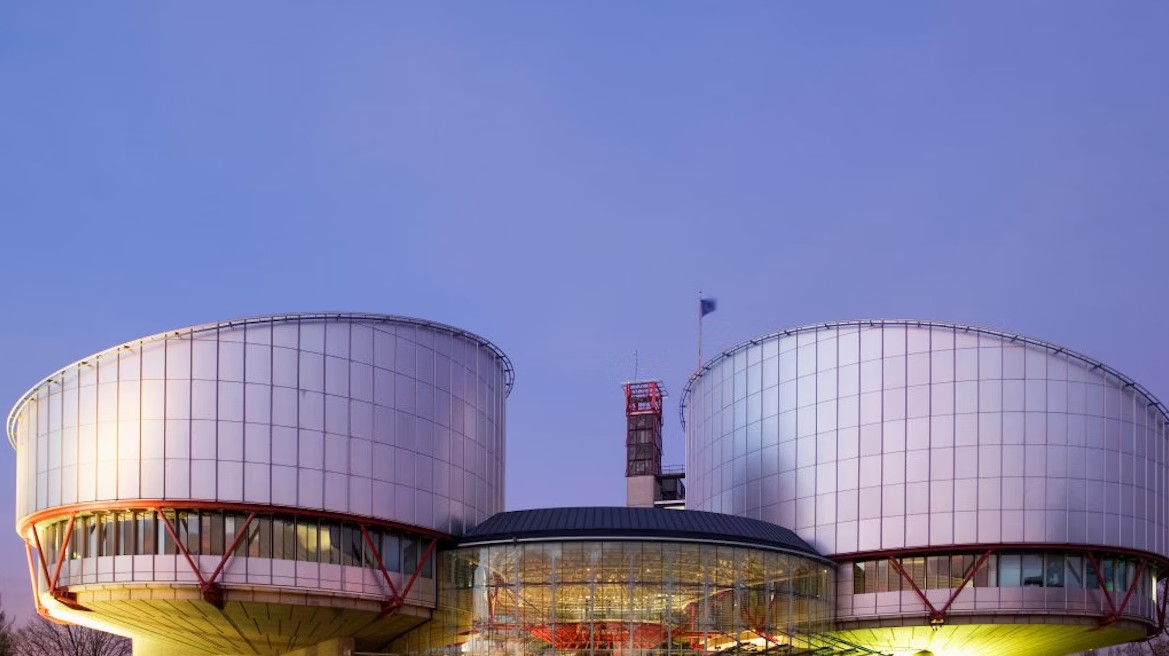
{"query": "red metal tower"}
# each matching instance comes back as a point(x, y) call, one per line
point(643, 434)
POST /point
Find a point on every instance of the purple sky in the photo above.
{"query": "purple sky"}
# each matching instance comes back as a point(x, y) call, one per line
point(562, 178)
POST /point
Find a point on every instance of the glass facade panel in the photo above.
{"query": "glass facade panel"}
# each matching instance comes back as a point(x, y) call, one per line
point(618, 596)
point(1056, 569)
point(211, 532)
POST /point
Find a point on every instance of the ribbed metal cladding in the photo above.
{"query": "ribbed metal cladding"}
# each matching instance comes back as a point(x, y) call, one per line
point(937, 446)
point(380, 416)
point(878, 435)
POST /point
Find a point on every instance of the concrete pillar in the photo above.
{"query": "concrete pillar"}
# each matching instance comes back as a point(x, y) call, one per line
point(641, 491)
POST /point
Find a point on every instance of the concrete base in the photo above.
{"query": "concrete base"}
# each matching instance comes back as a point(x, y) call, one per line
point(641, 491)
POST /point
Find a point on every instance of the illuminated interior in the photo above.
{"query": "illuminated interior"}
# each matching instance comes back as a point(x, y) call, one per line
point(619, 596)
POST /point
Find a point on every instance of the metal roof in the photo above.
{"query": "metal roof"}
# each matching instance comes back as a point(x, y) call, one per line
point(626, 523)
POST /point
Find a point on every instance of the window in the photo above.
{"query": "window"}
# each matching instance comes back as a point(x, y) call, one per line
point(108, 537)
point(1032, 570)
point(147, 532)
point(211, 532)
point(1053, 576)
point(307, 545)
point(1010, 570)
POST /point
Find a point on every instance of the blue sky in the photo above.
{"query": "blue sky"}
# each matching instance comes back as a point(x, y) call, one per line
point(562, 178)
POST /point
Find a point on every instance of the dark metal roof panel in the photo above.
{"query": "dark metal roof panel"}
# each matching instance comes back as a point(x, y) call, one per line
point(620, 522)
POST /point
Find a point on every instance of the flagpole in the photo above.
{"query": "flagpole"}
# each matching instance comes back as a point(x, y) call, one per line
point(699, 368)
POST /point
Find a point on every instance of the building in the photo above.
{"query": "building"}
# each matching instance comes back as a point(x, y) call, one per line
point(981, 492)
point(259, 486)
point(647, 483)
point(332, 484)
point(627, 580)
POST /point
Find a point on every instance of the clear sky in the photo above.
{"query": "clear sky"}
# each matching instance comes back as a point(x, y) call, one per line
point(562, 178)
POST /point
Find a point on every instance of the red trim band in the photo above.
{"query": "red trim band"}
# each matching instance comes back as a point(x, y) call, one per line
point(183, 504)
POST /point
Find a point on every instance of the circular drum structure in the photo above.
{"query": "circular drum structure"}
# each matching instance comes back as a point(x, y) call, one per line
point(983, 492)
point(627, 581)
point(294, 471)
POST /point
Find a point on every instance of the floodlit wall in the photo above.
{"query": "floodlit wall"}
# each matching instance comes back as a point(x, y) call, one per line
point(317, 422)
point(916, 439)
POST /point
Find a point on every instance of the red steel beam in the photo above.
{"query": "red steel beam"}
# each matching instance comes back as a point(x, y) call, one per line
point(396, 604)
point(381, 565)
point(1103, 584)
point(1127, 595)
point(61, 553)
point(1089, 553)
point(32, 577)
point(969, 576)
point(418, 570)
point(212, 591)
point(182, 548)
point(1000, 546)
point(64, 596)
point(239, 535)
point(1161, 603)
point(36, 536)
point(1163, 584)
point(761, 623)
point(935, 617)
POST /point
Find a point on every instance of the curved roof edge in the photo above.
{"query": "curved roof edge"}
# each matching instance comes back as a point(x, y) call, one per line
point(619, 522)
point(873, 323)
point(508, 369)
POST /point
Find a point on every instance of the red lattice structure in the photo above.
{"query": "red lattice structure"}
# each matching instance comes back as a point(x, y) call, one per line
point(643, 435)
point(1115, 604)
point(209, 584)
point(615, 636)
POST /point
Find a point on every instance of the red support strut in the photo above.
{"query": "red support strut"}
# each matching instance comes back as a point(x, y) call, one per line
point(935, 616)
point(60, 594)
point(1132, 586)
point(965, 580)
point(395, 599)
point(61, 553)
point(394, 605)
point(209, 586)
point(1161, 603)
point(938, 615)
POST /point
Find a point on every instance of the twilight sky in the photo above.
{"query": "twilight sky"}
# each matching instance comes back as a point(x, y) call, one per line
point(562, 178)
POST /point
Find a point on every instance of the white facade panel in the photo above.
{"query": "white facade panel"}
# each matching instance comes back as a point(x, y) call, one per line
point(281, 410)
point(953, 435)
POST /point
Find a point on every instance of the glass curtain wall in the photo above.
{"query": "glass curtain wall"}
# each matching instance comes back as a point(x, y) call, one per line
point(211, 532)
point(624, 597)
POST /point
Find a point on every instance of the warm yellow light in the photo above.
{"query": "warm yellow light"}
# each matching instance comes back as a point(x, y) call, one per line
point(61, 612)
point(988, 639)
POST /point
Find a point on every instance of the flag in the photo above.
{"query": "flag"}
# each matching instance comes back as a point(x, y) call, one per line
point(706, 306)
